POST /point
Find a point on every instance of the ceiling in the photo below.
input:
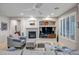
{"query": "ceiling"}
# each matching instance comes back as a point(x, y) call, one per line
point(33, 9)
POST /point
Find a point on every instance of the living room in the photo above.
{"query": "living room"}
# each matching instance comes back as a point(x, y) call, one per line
point(30, 29)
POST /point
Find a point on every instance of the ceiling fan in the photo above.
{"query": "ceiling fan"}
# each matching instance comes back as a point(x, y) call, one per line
point(35, 8)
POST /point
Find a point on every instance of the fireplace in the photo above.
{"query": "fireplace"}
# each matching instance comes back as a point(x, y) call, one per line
point(32, 34)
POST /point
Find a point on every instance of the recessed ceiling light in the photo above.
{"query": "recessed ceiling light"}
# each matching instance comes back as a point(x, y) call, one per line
point(52, 14)
point(56, 8)
point(21, 14)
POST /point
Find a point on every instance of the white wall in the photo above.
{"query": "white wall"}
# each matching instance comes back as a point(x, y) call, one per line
point(13, 23)
point(30, 20)
point(4, 34)
point(23, 25)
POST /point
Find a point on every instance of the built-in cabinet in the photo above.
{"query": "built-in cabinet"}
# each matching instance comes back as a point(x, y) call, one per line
point(47, 29)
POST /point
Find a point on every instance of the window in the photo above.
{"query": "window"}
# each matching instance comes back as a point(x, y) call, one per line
point(72, 27)
point(63, 27)
point(67, 27)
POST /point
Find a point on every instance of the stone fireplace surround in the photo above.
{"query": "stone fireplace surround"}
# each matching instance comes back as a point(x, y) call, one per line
point(31, 40)
point(32, 30)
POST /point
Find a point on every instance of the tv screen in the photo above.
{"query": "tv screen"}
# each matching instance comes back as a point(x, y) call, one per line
point(47, 30)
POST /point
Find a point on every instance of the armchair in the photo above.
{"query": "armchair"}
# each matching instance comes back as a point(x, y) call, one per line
point(16, 42)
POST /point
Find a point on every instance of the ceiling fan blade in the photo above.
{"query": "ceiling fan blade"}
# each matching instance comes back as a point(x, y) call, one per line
point(38, 5)
point(35, 7)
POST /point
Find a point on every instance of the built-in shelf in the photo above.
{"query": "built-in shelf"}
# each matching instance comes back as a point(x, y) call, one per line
point(49, 27)
point(46, 23)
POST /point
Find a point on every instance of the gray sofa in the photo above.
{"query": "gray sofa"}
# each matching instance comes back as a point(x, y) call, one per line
point(16, 42)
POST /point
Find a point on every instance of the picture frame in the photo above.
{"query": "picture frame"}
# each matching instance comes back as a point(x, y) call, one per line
point(3, 26)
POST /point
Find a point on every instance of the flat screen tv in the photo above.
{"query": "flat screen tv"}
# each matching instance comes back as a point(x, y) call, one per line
point(47, 30)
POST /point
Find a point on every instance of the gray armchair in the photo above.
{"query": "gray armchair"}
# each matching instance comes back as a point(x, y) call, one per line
point(16, 42)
